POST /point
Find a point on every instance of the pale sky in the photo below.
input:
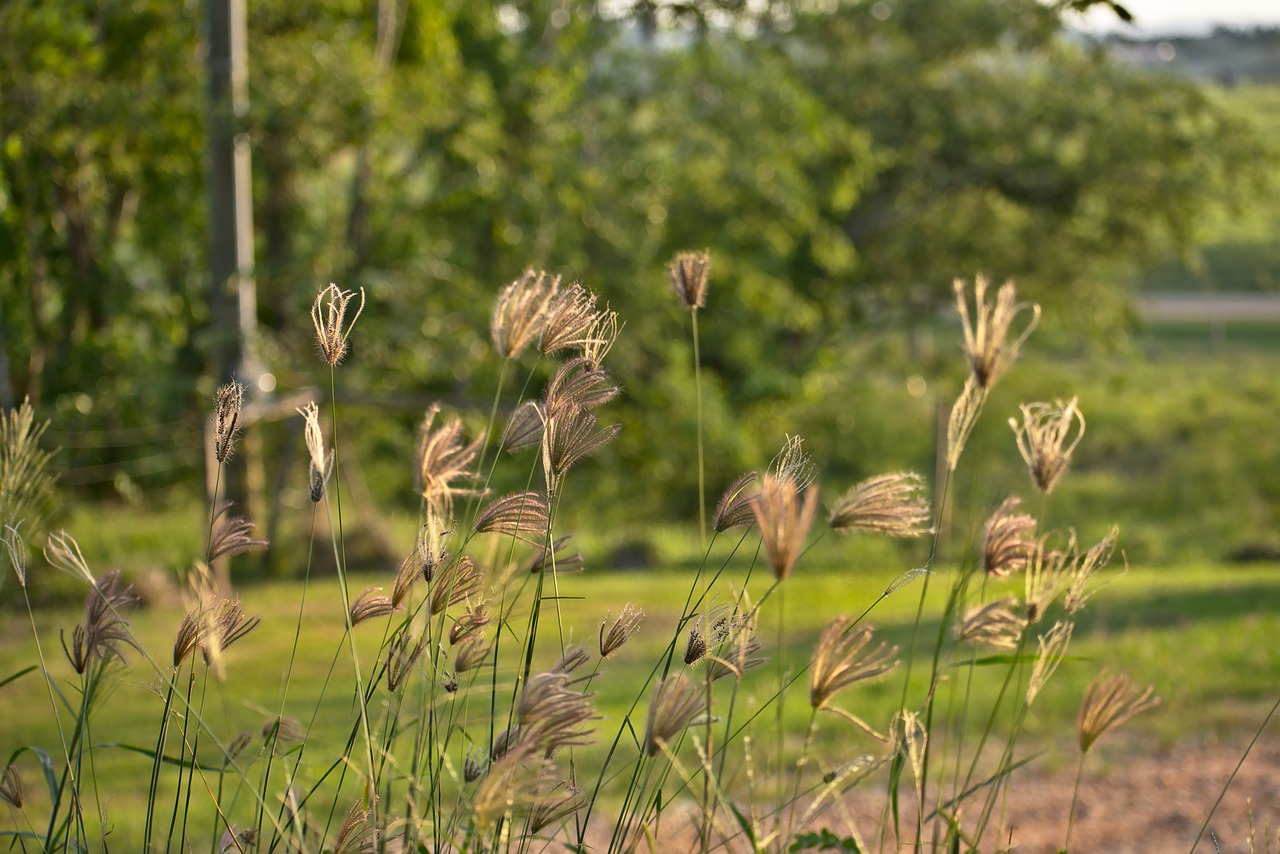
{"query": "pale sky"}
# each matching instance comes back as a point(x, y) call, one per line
point(1181, 16)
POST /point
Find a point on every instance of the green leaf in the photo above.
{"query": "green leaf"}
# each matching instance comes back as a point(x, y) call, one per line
point(1025, 658)
point(165, 760)
point(17, 675)
point(750, 831)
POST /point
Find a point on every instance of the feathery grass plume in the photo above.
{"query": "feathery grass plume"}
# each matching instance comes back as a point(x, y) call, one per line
point(569, 320)
point(370, 605)
point(63, 553)
point(994, 624)
point(794, 463)
point(26, 486)
point(227, 624)
point(356, 834)
point(104, 631)
point(282, 730)
point(734, 507)
point(855, 767)
point(735, 654)
point(236, 747)
point(1046, 439)
point(987, 340)
point(329, 316)
point(11, 791)
point(551, 715)
point(514, 781)
point(522, 515)
point(402, 653)
point(580, 383)
point(505, 742)
point(620, 630)
point(1008, 540)
point(459, 581)
point(910, 738)
point(472, 621)
point(689, 272)
point(472, 653)
point(783, 517)
point(1081, 585)
point(844, 656)
point(696, 646)
point(573, 657)
point(233, 840)
point(231, 534)
point(1053, 646)
point(191, 632)
point(524, 427)
point(321, 464)
point(520, 311)
point(442, 459)
point(429, 555)
point(554, 806)
point(1048, 573)
point(963, 418)
point(570, 434)
point(557, 556)
point(1109, 702)
point(893, 504)
point(16, 548)
point(712, 627)
point(474, 766)
point(228, 401)
point(676, 702)
point(600, 338)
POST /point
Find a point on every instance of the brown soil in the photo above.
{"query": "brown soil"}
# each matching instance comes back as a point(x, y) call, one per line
point(1142, 804)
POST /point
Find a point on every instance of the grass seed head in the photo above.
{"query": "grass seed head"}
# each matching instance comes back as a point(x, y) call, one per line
point(524, 427)
point(471, 654)
point(995, 624)
point(521, 311)
point(783, 516)
point(689, 272)
point(989, 340)
point(320, 466)
point(734, 507)
point(569, 321)
point(402, 653)
point(228, 401)
point(370, 605)
point(1053, 646)
point(676, 701)
point(104, 633)
point(579, 382)
point(963, 418)
point(521, 515)
point(329, 316)
point(843, 657)
point(1008, 540)
point(459, 581)
point(1108, 703)
point(442, 458)
point(620, 629)
point(231, 535)
point(1047, 436)
point(11, 791)
point(570, 434)
point(893, 504)
point(282, 731)
point(470, 624)
point(558, 556)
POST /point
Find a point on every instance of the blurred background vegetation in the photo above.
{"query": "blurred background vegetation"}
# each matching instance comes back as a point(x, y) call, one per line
point(842, 161)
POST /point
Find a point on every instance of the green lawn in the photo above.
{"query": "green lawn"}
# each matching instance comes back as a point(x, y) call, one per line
point(1199, 633)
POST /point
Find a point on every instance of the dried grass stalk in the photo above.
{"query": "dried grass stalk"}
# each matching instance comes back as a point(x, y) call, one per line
point(784, 517)
point(520, 312)
point(987, 341)
point(1109, 702)
point(894, 504)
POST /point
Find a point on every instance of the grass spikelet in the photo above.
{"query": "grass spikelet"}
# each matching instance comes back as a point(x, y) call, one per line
point(513, 781)
point(558, 556)
point(16, 548)
point(551, 715)
point(784, 517)
point(442, 459)
point(843, 657)
point(676, 702)
point(579, 382)
point(1081, 584)
point(472, 621)
point(794, 462)
point(233, 840)
point(524, 427)
point(459, 581)
point(520, 312)
point(26, 486)
point(104, 632)
point(11, 791)
point(282, 730)
point(1047, 436)
point(356, 834)
point(320, 466)
point(402, 654)
point(570, 435)
point(226, 625)
point(370, 605)
point(522, 515)
point(63, 553)
point(231, 535)
point(1048, 574)
point(893, 504)
point(329, 316)
point(569, 321)
point(472, 653)
point(995, 624)
point(620, 629)
point(600, 338)
point(734, 507)
point(1008, 541)
point(1053, 646)
point(963, 418)
point(689, 273)
point(228, 401)
point(1108, 703)
point(987, 341)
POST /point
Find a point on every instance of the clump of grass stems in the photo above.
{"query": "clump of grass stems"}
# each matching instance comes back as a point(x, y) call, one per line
point(472, 723)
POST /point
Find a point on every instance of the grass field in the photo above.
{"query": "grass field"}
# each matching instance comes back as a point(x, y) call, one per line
point(1198, 633)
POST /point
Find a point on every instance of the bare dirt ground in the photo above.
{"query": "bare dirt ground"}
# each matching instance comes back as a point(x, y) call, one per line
point(1148, 803)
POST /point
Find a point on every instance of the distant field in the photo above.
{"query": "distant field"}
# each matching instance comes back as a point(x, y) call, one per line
point(1201, 634)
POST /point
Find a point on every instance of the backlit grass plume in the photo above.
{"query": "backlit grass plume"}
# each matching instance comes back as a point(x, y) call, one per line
point(1047, 436)
point(893, 504)
point(329, 316)
point(990, 341)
